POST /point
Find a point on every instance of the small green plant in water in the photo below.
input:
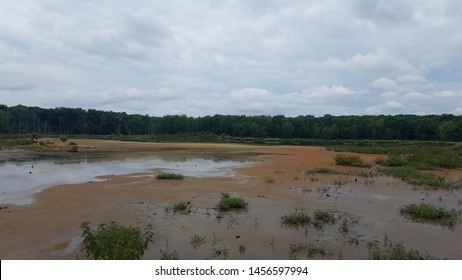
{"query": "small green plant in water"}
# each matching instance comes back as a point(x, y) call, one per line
point(296, 218)
point(428, 212)
point(115, 242)
point(231, 203)
point(182, 207)
point(197, 240)
point(322, 218)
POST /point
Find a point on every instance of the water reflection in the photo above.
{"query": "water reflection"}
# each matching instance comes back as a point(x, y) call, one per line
point(20, 180)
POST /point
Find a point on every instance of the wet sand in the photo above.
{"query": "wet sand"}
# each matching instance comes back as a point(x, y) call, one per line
point(276, 185)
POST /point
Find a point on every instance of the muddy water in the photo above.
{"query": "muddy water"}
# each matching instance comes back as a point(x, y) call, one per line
point(20, 180)
point(274, 184)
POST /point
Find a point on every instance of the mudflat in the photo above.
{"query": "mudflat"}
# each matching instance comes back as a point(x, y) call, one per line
point(365, 209)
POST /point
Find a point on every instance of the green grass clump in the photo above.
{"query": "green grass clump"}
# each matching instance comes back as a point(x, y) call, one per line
point(197, 240)
point(347, 160)
point(432, 213)
point(165, 176)
point(231, 203)
point(322, 218)
point(115, 242)
point(181, 206)
point(296, 218)
point(413, 176)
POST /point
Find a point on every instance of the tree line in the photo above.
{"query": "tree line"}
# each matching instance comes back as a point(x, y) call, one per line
point(23, 119)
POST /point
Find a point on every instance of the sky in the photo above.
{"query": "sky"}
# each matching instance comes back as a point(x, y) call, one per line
point(234, 57)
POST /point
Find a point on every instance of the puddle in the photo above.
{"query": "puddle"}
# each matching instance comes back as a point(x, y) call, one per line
point(20, 180)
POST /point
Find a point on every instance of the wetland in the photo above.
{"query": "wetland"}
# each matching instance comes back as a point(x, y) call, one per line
point(346, 212)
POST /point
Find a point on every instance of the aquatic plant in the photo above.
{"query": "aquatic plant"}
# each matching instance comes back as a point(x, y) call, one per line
point(231, 203)
point(428, 212)
point(115, 242)
point(296, 218)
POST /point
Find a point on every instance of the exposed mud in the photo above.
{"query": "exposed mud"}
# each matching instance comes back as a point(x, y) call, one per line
point(366, 209)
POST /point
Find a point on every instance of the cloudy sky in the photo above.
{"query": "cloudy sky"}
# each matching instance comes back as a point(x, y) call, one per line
point(261, 57)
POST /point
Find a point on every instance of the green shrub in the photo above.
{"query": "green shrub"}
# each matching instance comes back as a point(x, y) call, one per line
point(115, 242)
point(296, 218)
point(228, 203)
point(73, 149)
point(63, 138)
point(165, 176)
point(181, 206)
point(429, 212)
point(347, 160)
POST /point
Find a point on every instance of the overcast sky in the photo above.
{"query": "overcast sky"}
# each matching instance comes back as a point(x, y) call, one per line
point(262, 57)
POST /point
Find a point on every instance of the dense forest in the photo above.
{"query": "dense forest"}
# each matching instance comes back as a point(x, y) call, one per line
point(23, 119)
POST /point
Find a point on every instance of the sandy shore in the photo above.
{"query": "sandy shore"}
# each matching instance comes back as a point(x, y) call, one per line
point(49, 227)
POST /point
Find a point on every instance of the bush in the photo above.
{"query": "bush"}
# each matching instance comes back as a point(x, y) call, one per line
point(181, 206)
point(347, 160)
point(63, 138)
point(73, 149)
point(115, 242)
point(228, 203)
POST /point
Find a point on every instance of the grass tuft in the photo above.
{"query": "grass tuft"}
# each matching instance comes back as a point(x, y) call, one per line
point(228, 203)
point(428, 212)
point(296, 218)
point(181, 206)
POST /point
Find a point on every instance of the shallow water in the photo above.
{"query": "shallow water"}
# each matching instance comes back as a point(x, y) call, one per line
point(20, 180)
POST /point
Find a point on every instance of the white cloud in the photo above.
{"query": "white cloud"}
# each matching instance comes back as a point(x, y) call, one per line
point(393, 105)
point(386, 84)
point(253, 57)
point(416, 96)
